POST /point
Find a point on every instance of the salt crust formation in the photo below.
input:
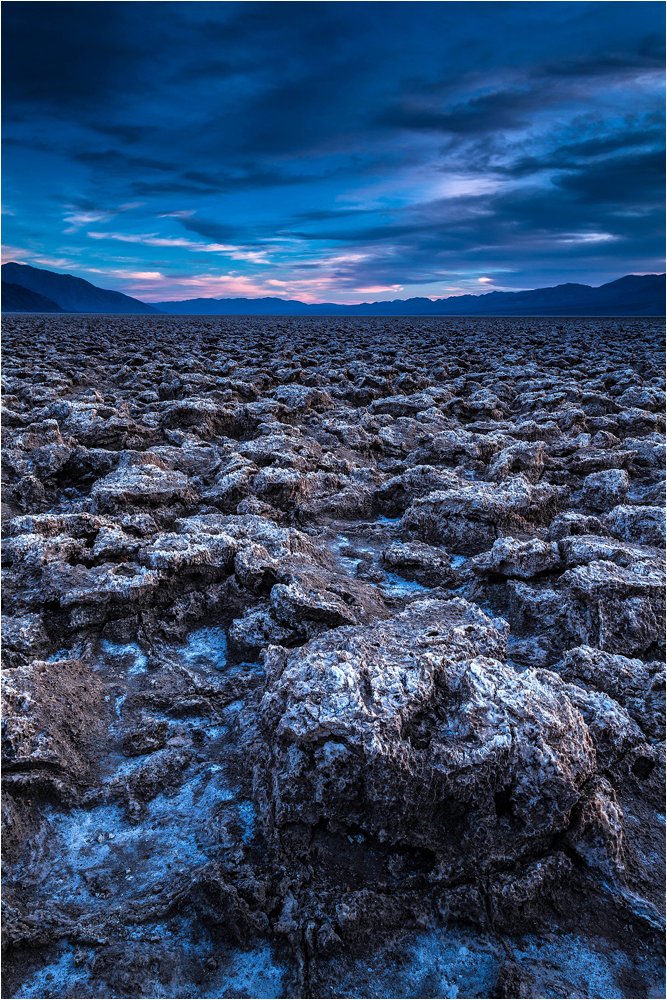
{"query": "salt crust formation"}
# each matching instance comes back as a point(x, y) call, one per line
point(324, 638)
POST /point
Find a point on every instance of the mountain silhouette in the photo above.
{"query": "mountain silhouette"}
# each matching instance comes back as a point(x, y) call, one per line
point(633, 295)
point(70, 293)
point(16, 298)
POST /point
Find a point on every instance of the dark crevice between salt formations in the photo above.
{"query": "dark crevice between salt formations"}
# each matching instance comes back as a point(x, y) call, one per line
point(333, 657)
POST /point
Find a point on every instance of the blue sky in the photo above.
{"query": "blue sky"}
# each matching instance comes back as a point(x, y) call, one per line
point(334, 151)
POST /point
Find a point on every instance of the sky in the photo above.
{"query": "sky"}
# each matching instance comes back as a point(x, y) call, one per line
point(337, 152)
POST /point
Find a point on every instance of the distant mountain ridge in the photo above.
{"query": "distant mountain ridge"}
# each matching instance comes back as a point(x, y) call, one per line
point(632, 295)
point(64, 290)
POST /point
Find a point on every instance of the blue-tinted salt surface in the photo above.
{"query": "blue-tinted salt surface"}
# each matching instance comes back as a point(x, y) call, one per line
point(178, 829)
point(461, 963)
point(61, 654)
point(135, 659)
point(240, 973)
point(93, 859)
point(184, 828)
point(206, 647)
point(347, 562)
point(396, 585)
point(451, 963)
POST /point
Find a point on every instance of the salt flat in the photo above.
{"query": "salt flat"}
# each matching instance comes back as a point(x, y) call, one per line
point(333, 657)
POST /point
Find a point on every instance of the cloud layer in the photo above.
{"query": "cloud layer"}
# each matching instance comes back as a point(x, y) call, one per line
point(334, 151)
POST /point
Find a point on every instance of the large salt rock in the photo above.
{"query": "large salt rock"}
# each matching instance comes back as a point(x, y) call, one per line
point(456, 446)
point(320, 596)
point(188, 552)
point(510, 557)
point(98, 425)
point(413, 730)
point(39, 450)
point(258, 629)
point(587, 460)
point(140, 486)
point(603, 490)
point(55, 568)
point(23, 639)
point(638, 686)
point(201, 460)
point(285, 448)
point(645, 525)
point(402, 406)
point(232, 485)
point(426, 564)
point(637, 421)
point(301, 397)
point(614, 608)
point(571, 522)
point(614, 592)
point(646, 397)
point(397, 493)
point(247, 529)
point(467, 517)
point(536, 608)
point(521, 457)
point(580, 550)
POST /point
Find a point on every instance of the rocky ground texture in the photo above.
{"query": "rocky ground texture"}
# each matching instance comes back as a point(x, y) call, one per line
point(333, 657)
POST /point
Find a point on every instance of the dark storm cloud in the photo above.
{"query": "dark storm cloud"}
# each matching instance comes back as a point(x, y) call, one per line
point(114, 162)
point(256, 179)
point(325, 214)
point(408, 134)
point(126, 133)
point(217, 231)
point(203, 182)
point(572, 154)
point(64, 54)
point(621, 180)
point(490, 113)
point(648, 54)
point(531, 222)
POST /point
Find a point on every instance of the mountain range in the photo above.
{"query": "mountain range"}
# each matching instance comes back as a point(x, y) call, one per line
point(69, 294)
point(29, 289)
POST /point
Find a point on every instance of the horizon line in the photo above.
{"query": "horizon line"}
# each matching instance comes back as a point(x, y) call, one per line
point(279, 298)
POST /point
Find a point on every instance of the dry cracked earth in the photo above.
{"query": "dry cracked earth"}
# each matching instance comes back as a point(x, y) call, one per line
point(333, 657)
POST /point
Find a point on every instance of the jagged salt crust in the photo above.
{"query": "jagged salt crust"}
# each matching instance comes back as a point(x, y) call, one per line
point(333, 657)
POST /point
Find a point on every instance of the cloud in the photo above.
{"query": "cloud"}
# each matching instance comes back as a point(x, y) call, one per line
point(22, 256)
point(488, 113)
point(573, 156)
point(633, 177)
point(200, 286)
point(120, 273)
point(153, 240)
point(648, 53)
point(326, 214)
point(218, 231)
point(78, 219)
point(181, 214)
point(114, 161)
point(425, 145)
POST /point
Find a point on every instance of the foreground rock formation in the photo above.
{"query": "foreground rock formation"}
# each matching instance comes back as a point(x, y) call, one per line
point(333, 657)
